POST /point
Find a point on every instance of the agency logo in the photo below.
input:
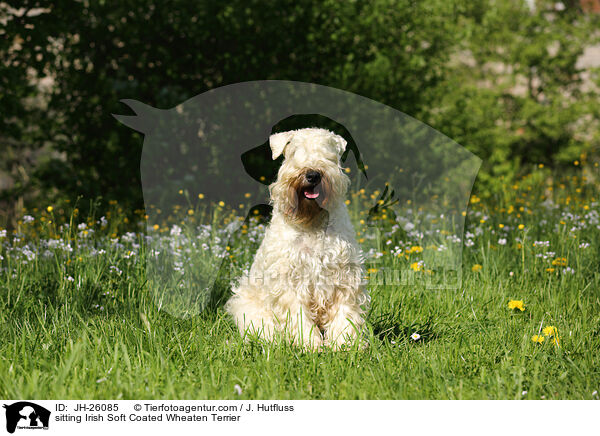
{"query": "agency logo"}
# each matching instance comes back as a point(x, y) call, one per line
point(26, 415)
point(212, 153)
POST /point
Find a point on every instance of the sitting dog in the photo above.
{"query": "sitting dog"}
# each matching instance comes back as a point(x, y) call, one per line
point(306, 283)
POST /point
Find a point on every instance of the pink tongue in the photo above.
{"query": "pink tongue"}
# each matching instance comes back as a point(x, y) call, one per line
point(313, 194)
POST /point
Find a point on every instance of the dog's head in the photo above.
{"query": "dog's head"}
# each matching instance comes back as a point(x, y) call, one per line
point(310, 180)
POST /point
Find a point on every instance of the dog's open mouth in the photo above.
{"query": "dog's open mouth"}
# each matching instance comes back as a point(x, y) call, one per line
point(312, 192)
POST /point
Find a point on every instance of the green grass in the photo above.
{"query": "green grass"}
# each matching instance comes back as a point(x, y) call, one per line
point(71, 339)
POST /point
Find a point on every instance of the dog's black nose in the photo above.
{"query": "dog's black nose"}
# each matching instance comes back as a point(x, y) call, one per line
point(313, 177)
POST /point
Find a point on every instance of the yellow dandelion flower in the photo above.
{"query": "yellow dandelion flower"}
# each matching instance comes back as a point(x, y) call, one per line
point(347, 202)
point(416, 266)
point(521, 226)
point(347, 170)
point(415, 249)
point(560, 261)
point(372, 270)
point(516, 304)
point(155, 226)
point(501, 226)
point(550, 270)
point(537, 339)
point(221, 203)
point(180, 191)
point(49, 208)
point(476, 268)
point(190, 211)
point(247, 195)
point(200, 196)
point(549, 331)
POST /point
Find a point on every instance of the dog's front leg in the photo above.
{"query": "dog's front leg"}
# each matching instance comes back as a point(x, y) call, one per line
point(345, 326)
point(299, 328)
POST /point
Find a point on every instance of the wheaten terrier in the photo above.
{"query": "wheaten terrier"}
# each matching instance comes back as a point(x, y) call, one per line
point(306, 284)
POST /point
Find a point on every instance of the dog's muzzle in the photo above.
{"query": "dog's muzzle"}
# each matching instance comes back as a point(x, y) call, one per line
point(312, 190)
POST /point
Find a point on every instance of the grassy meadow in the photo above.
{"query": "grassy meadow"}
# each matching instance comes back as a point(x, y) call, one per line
point(77, 319)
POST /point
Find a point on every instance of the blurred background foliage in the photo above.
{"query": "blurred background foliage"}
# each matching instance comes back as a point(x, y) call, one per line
point(516, 82)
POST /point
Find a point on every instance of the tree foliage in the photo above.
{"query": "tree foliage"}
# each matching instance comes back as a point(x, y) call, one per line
point(493, 75)
point(518, 95)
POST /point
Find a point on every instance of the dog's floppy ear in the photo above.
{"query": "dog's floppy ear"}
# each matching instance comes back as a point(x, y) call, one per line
point(340, 144)
point(278, 141)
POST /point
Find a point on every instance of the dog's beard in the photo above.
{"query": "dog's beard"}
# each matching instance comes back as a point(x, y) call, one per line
point(307, 201)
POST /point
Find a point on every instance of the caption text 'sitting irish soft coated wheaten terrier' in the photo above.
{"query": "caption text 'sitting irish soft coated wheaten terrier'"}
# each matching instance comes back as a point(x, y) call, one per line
point(306, 283)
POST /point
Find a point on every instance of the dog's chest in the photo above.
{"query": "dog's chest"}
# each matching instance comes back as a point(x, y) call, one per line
point(314, 264)
point(321, 255)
